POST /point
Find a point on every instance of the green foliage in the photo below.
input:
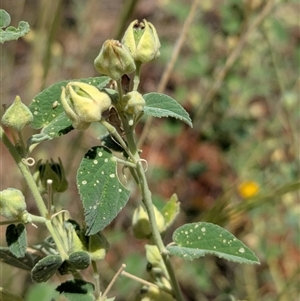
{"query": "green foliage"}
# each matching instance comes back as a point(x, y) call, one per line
point(70, 247)
point(16, 239)
point(198, 239)
point(161, 105)
point(10, 32)
point(103, 195)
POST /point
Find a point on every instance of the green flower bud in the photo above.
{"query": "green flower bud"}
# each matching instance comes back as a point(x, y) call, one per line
point(84, 104)
point(134, 103)
point(50, 171)
point(141, 225)
point(17, 115)
point(142, 41)
point(98, 246)
point(12, 203)
point(114, 60)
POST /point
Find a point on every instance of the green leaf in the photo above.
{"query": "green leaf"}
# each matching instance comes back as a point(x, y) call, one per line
point(80, 260)
point(48, 112)
point(26, 262)
point(77, 290)
point(11, 33)
point(198, 239)
point(46, 268)
point(16, 239)
point(4, 18)
point(161, 105)
point(102, 193)
point(171, 210)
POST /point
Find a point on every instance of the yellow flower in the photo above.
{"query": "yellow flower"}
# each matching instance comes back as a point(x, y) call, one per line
point(248, 189)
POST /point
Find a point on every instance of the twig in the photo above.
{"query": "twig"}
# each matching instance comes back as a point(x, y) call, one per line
point(124, 273)
point(123, 266)
point(202, 109)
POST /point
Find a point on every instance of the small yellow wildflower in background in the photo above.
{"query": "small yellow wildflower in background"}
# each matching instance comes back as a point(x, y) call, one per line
point(248, 189)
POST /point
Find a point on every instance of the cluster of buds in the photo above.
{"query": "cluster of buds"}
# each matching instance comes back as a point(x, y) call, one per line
point(84, 103)
point(140, 44)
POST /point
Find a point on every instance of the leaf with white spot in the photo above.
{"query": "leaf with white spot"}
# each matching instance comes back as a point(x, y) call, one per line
point(161, 105)
point(48, 112)
point(102, 194)
point(198, 239)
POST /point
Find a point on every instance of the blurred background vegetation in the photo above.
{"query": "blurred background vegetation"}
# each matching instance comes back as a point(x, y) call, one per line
point(237, 74)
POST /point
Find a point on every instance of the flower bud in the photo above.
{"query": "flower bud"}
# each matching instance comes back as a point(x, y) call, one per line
point(134, 103)
point(84, 104)
point(141, 225)
point(50, 171)
point(17, 115)
point(114, 60)
point(142, 41)
point(98, 246)
point(12, 203)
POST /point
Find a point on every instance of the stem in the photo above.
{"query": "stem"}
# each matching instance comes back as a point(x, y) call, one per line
point(112, 130)
point(97, 278)
point(123, 266)
point(128, 275)
point(31, 218)
point(77, 275)
point(57, 240)
point(13, 221)
point(22, 141)
point(147, 200)
point(136, 80)
point(126, 163)
point(26, 173)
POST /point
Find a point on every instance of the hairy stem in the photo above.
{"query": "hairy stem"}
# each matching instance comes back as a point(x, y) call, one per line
point(97, 278)
point(26, 174)
point(147, 200)
point(57, 240)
